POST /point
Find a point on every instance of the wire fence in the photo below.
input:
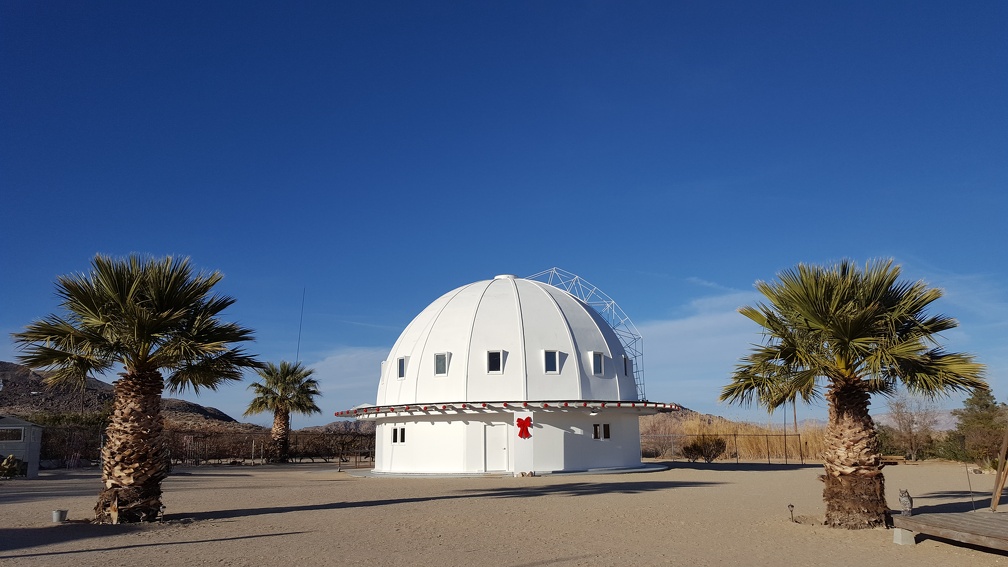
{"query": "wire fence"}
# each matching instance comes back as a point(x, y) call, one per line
point(193, 448)
point(786, 448)
point(80, 446)
point(76, 446)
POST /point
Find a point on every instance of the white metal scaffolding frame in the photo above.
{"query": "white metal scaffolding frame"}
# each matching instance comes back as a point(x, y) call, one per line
point(620, 323)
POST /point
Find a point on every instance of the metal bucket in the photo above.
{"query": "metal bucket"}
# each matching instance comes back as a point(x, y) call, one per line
point(59, 516)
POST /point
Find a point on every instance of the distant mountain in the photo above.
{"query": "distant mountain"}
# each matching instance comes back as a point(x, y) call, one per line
point(946, 421)
point(22, 393)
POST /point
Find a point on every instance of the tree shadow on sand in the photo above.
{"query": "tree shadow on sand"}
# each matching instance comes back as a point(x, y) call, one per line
point(742, 467)
point(21, 538)
point(566, 489)
point(963, 503)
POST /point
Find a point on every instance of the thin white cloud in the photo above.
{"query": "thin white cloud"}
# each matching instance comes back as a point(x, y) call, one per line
point(688, 360)
point(347, 376)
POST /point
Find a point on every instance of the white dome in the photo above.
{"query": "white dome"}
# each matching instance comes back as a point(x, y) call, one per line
point(506, 339)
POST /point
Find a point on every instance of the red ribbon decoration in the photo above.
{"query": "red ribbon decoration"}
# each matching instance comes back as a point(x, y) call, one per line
point(524, 423)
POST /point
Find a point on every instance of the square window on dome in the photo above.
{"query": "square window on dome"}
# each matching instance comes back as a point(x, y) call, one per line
point(495, 361)
point(441, 364)
point(551, 361)
point(597, 360)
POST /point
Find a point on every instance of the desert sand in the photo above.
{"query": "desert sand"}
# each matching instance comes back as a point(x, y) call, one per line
point(310, 514)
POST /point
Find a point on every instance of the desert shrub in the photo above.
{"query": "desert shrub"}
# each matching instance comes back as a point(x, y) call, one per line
point(663, 434)
point(952, 447)
point(706, 447)
point(887, 442)
point(980, 425)
point(983, 445)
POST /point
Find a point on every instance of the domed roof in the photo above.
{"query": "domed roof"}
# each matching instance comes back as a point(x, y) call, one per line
point(506, 339)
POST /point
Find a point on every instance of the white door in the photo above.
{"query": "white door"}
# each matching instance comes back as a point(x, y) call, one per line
point(496, 446)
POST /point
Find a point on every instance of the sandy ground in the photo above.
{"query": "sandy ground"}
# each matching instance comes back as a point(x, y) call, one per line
point(310, 514)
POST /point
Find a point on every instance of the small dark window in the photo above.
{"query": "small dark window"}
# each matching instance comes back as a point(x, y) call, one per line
point(494, 361)
point(12, 434)
point(441, 364)
point(402, 367)
point(626, 365)
point(597, 363)
point(395, 434)
point(551, 361)
point(600, 431)
point(402, 433)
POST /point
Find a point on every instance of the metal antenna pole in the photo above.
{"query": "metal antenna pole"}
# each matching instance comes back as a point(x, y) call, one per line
point(297, 356)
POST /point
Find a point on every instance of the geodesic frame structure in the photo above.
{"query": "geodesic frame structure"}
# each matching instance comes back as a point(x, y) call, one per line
point(630, 338)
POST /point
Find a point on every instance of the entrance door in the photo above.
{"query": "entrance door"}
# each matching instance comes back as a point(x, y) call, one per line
point(496, 446)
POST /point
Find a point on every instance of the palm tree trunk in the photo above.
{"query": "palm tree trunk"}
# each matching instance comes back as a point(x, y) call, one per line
point(134, 458)
point(280, 435)
point(855, 488)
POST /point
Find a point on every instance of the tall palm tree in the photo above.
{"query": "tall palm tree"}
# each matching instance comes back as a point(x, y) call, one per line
point(284, 389)
point(146, 317)
point(854, 333)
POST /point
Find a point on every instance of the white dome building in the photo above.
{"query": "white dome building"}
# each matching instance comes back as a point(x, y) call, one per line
point(507, 375)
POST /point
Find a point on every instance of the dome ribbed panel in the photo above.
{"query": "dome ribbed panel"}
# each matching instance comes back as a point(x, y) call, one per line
point(521, 319)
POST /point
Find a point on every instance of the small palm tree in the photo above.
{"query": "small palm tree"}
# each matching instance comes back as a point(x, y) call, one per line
point(855, 333)
point(149, 316)
point(286, 388)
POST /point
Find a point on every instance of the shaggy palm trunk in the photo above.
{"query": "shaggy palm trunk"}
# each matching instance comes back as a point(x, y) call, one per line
point(134, 458)
point(280, 436)
point(855, 488)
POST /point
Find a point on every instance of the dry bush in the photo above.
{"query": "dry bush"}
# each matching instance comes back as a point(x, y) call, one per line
point(664, 435)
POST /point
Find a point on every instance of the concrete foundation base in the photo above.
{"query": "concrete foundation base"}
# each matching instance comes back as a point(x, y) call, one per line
point(903, 537)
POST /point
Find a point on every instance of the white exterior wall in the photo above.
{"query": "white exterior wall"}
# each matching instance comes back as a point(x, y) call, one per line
point(467, 443)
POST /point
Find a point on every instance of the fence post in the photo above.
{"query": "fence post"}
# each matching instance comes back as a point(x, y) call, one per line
point(736, 447)
point(767, 448)
point(785, 446)
point(801, 454)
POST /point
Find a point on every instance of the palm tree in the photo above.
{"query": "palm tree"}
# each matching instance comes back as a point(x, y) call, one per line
point(853, 333)
point(286, 388)
point(145, 316)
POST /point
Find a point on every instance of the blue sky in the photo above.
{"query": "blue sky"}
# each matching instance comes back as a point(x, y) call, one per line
point(374, 155)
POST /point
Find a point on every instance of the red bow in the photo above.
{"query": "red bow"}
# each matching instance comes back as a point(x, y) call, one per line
point(524, 423)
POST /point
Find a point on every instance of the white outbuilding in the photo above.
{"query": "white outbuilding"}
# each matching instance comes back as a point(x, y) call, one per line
point(511, 375)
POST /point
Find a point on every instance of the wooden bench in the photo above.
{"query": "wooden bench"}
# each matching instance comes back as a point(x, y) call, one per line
point(892, 460)
point(981, 528)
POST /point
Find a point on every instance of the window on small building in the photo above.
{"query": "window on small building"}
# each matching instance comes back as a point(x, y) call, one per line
point(11, 434)
point(626, 365)
point(441, 364)
point(600, 431)
point(495, 361)
point(398, 434)
point(605, 431)
point(402, 433)
point(551, 361)
point(597, 360)
point(402, 368)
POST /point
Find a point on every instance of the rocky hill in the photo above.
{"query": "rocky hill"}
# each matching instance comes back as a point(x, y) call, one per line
point(23, 393)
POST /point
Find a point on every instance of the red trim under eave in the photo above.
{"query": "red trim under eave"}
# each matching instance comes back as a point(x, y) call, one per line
point(556, 405)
